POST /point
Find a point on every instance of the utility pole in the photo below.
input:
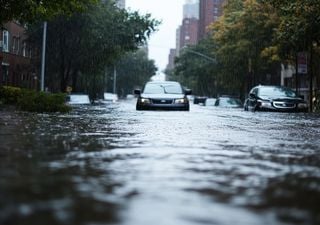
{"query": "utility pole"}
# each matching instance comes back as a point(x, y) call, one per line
point(43, 59)
point(114, 79)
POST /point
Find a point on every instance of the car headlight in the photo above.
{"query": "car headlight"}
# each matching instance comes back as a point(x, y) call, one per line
point(266, 104)
point(145, 101)
point(302, 105)
point(180, 100)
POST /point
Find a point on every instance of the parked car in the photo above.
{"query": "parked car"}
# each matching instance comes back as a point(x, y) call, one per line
point(78, 99)
point(210, 101)
point(162, 95)
point(274, 98)
point(228, 102)
point(110, 97)
point(200, 100)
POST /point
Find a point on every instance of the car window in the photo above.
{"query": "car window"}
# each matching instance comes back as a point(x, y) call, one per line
point(229, 102)
point(254, 91)
point(162, 89)
point(276, 92)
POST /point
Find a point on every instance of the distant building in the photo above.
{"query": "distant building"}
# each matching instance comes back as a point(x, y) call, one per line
point(189, 32)
point(15, 57)
point(209, 12)
point(121, 3)
point(172, 56)
point(191, 9)
point(178, 31)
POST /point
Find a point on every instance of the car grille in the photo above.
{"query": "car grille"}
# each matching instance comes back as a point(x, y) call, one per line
point(284, 105)
point(161, 101)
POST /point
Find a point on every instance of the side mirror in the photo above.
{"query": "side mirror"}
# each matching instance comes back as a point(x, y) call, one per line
point(137, 92)
point(252, 95)
point(188, 91)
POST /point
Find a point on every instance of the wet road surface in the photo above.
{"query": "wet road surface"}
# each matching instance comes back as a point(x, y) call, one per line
point(110, 164)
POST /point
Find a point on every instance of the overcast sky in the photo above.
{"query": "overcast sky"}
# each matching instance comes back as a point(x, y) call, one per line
point(170, 13)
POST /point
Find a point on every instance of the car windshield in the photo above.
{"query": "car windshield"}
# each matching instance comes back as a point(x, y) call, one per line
point(229, 102)
point(162, 89)
point(276, 92)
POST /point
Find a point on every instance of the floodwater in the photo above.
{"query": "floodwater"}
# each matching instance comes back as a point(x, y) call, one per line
point(110, 164)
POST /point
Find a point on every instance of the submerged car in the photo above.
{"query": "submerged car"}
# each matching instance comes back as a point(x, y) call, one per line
point(274, 98)
point(201, 100)
point(210, 102)
point(163, 95)
point(228, 102)
point(78, 99)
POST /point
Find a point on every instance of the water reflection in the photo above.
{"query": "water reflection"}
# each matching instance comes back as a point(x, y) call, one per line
point(112, 165)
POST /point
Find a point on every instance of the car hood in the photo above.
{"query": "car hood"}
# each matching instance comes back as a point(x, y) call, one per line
point(162, 96)
point(283, 99)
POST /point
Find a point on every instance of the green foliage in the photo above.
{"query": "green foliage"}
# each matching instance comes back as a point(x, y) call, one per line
point(133, 70)
point(242, 42)
point(32, 101)
point(42, 102)
point(10, 95)
point(196, 69)
point(82, 46)
point(242, 35)
point(34, 10)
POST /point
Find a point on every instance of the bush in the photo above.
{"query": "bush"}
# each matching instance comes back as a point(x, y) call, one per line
point(42, 102)
point(10, 95)
point(32, 101)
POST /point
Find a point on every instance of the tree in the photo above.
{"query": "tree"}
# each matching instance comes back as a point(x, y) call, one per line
point(33, 10)
point(299, 30)
point(83, 45)
point(134, 70)
point(196, 69)
point(242, 35)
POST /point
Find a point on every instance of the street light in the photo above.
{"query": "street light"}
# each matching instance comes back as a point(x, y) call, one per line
point(43, 63)
point(114, 79)
point(199, 54)
point(1, 58)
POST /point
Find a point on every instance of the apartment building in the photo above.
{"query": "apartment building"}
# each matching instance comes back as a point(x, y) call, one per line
point(15, 57)
point(209, 12)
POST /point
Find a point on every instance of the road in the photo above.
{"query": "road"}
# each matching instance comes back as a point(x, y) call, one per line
point(111, 164)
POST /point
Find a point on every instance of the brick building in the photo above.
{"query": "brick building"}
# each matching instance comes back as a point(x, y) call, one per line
point(189, 32)
point(209, 11)
point(15, 57)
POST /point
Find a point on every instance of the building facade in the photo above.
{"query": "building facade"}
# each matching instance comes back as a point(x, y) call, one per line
point(191, 9)
point(209, 12)
point(15, 57)
point(121, 4)
point(172, 56)
point(189, 32)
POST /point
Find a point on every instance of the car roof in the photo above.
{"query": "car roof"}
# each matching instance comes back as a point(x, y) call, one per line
point(270, 86)
point(163, 82)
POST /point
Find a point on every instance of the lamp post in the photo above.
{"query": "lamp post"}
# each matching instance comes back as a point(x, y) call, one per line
point(1, 58)
point(43, 59)
point(199, 54)
point(114, 79)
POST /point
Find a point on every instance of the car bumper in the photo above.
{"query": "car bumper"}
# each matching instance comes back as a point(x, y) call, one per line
point(273, 109)
point(183, 107)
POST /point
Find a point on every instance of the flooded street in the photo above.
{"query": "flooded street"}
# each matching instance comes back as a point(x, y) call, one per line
point(111, 164)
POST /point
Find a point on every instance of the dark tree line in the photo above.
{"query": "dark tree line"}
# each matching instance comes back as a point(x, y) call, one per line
point(81, 47)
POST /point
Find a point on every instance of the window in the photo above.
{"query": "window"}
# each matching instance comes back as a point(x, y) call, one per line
point(24, 49)
point(5, 38)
